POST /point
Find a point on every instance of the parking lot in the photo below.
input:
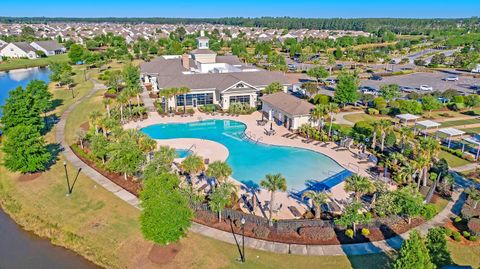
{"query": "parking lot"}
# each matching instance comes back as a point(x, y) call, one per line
point(436, 80)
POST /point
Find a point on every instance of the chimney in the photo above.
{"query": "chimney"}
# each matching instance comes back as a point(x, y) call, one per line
point(186, 61)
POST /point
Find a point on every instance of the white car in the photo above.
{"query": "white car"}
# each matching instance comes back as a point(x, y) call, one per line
point(426, 88)
point(407, 89)
point(452, 78)
point(369, 90)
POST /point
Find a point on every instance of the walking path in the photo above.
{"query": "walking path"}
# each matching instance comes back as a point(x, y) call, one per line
point(75, 161)
point(352, 249)
point(467, 167)
point(339, 117)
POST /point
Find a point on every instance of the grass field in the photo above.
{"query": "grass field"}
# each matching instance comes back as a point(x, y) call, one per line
point(25, 63)
point(459, 123)
point(452, 160)
point(100, 226)
point(362, 116)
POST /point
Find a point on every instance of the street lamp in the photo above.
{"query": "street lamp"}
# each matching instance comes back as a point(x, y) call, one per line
point(70, 188)
point(242, 221)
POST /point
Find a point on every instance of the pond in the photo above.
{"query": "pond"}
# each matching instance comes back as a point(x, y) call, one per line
point(9, 80)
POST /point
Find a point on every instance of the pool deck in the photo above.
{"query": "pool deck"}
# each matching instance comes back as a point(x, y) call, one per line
point(216, 151)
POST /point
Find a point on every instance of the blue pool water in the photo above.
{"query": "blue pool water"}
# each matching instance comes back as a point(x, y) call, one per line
point(20, 77)
point(183, 153)
point(251, 161)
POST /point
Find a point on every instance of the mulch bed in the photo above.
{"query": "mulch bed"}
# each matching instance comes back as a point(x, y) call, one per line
point(163, 255)
point(129, 185)
point(28, 177)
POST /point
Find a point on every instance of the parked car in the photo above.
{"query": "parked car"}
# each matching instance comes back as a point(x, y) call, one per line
point(292, 67)
point(369, 90)
point(330, 81)
point(477, 69)
point(376, 77)
point(452, 78)
point(407, 89)
point(426, 88)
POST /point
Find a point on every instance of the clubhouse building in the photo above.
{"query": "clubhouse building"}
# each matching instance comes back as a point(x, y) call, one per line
point(211, 78)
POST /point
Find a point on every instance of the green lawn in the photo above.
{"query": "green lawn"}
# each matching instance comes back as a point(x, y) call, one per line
point(25, 63)
point(465, 255)
point(457, 123)
point(475, 130)
point(452, 160)
point(363, 117)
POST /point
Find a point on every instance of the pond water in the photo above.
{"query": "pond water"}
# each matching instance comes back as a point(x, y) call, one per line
point(20, 77)
point(20, 249)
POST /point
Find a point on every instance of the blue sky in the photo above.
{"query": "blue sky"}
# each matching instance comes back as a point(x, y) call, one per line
point(242, 8)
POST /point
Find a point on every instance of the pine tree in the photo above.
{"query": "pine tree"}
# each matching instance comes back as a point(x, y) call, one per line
point(413, 254)
point(25, 150)
point(437, 247)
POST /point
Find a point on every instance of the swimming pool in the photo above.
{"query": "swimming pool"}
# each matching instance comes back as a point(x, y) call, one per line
point(251, 161)
point(183, 153)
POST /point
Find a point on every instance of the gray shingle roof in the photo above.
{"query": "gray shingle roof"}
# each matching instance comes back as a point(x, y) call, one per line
point(203, 51)
point(50, 45)
point(288, 103)
point(24, 46)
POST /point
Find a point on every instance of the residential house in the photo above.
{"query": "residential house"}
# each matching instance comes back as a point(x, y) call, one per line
point(50, 47)
point(286, 109)
point(18, 50)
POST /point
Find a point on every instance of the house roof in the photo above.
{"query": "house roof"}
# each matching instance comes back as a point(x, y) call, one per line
point(428, 123)
point(288, 103)
point(203, 51)
point(229, 59)
point(407, 117)
point(24, 46)
point(451, 131)
point(50, 45)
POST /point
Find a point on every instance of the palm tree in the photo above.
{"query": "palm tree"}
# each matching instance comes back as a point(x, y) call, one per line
point(273, 183)
point(405, 174)
point(167, 94)
point(219, 170)
point(184, 91)
point(406, 136)
point(146, 145)
point(94, 118)
point(474, 195)
point(221, 197)
point(318, 199)
point(107, 102)
point(318, 113)
point(332, 108)
point(193, 164)
point(122, 100)
point(383, 126)
point(359, 185)
point(429, 149)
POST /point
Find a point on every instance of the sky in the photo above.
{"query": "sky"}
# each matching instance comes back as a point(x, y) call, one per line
point(242, 8)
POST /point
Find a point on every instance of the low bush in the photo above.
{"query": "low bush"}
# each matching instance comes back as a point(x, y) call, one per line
point(317, 233)
point(448, 232)
point(428, 211)
point(457, 220)
point(372, 111)
point(457, 236)
point(349, 233)
point(365, 232)
point(473, 238)
point(190, 111)
point(261, 231)
point(466, 234)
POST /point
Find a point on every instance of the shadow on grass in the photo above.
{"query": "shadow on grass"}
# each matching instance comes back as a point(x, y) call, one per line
point(371, 261)
point(54, 150)
point(470, 113)
point(49, 122)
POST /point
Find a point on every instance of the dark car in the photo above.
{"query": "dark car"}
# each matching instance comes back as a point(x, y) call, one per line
point(376, 77)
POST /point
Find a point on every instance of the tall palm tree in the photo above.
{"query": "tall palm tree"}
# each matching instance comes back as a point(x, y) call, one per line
point(405, 174)
point(192, 164)
point(319, 198)
point(107, 102)
point(219, 170)
point(474, 195)
point(429, 149)
point(273, 183)
point(359, 185)
point(94, 118)
point(146, 145)
point(318, 113)
point(406, 136)
point(221, 197)
point(332, 108)
point(184, 91)
point(122, 100)
point(383, 126)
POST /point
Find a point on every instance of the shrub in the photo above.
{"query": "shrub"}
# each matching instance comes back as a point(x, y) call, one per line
point(365, 232)
point(473, 238)
point(428, 211)
point(190, 111)
point(372, 111)
point(458, 99)
point(349, 233)
point(321, 99)
point(261, 231)
point(317, 233)
point(448, 232)
point(457, 220)
point(379, 103)
point(457, 236)
point(456, 106)
point(466, 234)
